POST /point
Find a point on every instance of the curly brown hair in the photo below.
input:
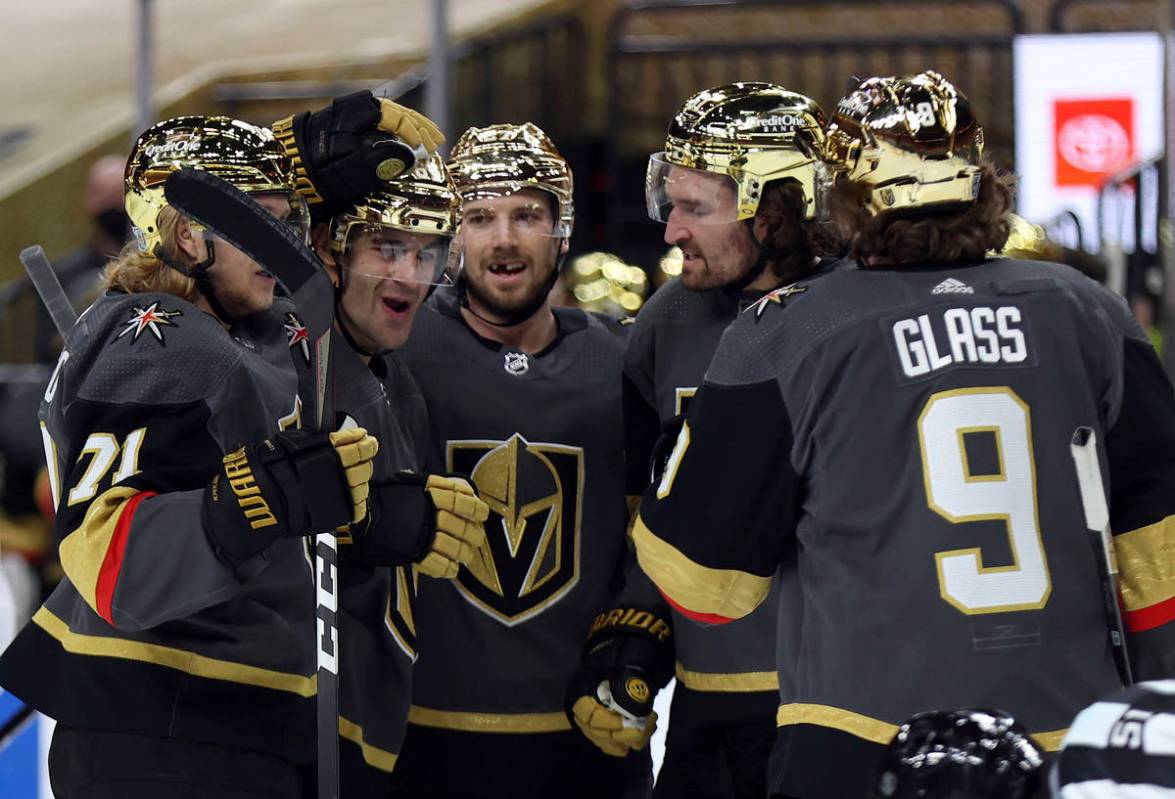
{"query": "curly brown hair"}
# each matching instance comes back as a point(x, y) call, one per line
point(137, 272)
point(794, 242)
point(944, 237)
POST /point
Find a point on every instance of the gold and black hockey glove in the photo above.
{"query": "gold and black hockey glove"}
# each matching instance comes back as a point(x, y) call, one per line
point(341, 153)
point(295, 484)
point(627, 660)
point(436, 522)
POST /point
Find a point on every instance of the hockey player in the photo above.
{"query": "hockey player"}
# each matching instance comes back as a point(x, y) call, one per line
point(739, 200)
point(905, 424)
point(384, 255)
point(526, 399)
point(178, 653)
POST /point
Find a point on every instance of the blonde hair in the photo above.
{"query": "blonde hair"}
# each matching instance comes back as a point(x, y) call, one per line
point(138, 272)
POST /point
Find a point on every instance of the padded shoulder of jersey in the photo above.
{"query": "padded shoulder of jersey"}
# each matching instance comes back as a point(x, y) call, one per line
point(150, 348)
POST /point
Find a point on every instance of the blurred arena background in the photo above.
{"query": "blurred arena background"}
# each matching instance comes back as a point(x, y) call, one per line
point(603, 77)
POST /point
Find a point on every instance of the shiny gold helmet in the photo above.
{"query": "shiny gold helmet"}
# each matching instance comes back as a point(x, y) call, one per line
point(244, 155)
point(735, 139)
point(498, 160)
point(422, 202)
point(913, 141)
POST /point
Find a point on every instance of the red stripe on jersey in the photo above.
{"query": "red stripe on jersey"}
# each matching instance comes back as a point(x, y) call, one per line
point(112, 563)
point(704, 618)
point(1148, 618)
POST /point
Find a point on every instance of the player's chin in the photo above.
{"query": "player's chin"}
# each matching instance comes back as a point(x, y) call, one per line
point(260, 297)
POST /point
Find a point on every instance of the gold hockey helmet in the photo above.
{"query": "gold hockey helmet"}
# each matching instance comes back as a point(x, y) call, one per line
point(748, 134)
point(912, 140)
point(244, 155)
point(424, 201)
point(502, 159)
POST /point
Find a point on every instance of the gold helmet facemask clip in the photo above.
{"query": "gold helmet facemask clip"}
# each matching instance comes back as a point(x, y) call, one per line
point(913, 141)
point(726, 144)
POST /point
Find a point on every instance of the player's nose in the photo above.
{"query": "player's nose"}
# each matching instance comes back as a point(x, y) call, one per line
point(675, 232)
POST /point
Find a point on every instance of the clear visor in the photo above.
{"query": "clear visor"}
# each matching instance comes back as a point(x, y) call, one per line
point(502, 211)
point(383, 253)
point(695, 195)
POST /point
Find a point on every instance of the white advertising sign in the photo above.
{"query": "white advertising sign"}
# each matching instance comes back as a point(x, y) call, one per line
point(1087, 106)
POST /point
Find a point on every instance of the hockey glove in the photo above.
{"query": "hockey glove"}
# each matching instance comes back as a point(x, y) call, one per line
point(341, 153)
point(627, 660)
point(295, 484)
point(436, 522)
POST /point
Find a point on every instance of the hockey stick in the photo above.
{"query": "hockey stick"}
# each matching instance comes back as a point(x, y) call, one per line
point(48, 287)
point(1083, 447)
point(229, 213)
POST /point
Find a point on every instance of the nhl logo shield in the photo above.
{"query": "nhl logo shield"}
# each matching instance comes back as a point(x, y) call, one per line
point(517, 363)
point(530, 559)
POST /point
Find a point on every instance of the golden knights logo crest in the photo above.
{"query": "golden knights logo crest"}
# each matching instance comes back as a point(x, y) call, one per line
point(531, 556)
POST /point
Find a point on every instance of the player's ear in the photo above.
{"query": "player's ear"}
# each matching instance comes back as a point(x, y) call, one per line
point(320, 237)
point(564, 246)
point(189, 242)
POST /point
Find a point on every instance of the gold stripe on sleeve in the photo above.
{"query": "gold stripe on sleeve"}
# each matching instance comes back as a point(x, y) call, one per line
point(729, 593)
point(83, 551)
point(1146, 564)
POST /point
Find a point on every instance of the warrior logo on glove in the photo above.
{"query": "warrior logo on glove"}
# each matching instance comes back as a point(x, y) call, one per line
point(531, 556)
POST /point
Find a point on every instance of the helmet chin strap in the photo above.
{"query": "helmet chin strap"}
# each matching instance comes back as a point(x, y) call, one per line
point(199, 273)
point(520, 316)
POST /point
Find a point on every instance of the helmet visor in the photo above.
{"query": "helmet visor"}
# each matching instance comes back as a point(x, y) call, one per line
point(387, 253)
point(694, 195)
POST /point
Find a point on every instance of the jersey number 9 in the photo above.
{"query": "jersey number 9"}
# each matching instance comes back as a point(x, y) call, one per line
point(954, 492)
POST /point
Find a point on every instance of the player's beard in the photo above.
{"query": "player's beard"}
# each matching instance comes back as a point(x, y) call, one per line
point(507, 306)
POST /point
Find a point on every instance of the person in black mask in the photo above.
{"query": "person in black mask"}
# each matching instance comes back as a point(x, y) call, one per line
point(79, 270)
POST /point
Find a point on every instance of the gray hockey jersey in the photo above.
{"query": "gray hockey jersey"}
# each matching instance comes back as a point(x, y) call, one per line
point(907, 432)
point(150, 632)
point(375, 603)
point(540, 435)
point(669, 348)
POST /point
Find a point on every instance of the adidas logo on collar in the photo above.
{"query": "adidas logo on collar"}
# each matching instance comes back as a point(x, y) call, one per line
point(952, 286)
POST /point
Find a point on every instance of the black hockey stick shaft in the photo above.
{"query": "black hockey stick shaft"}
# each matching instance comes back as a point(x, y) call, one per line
point(49, 289)
point(1083, 447)
point(235, 217)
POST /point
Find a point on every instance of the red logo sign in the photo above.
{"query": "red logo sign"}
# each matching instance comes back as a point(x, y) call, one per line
point(1092, 138)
